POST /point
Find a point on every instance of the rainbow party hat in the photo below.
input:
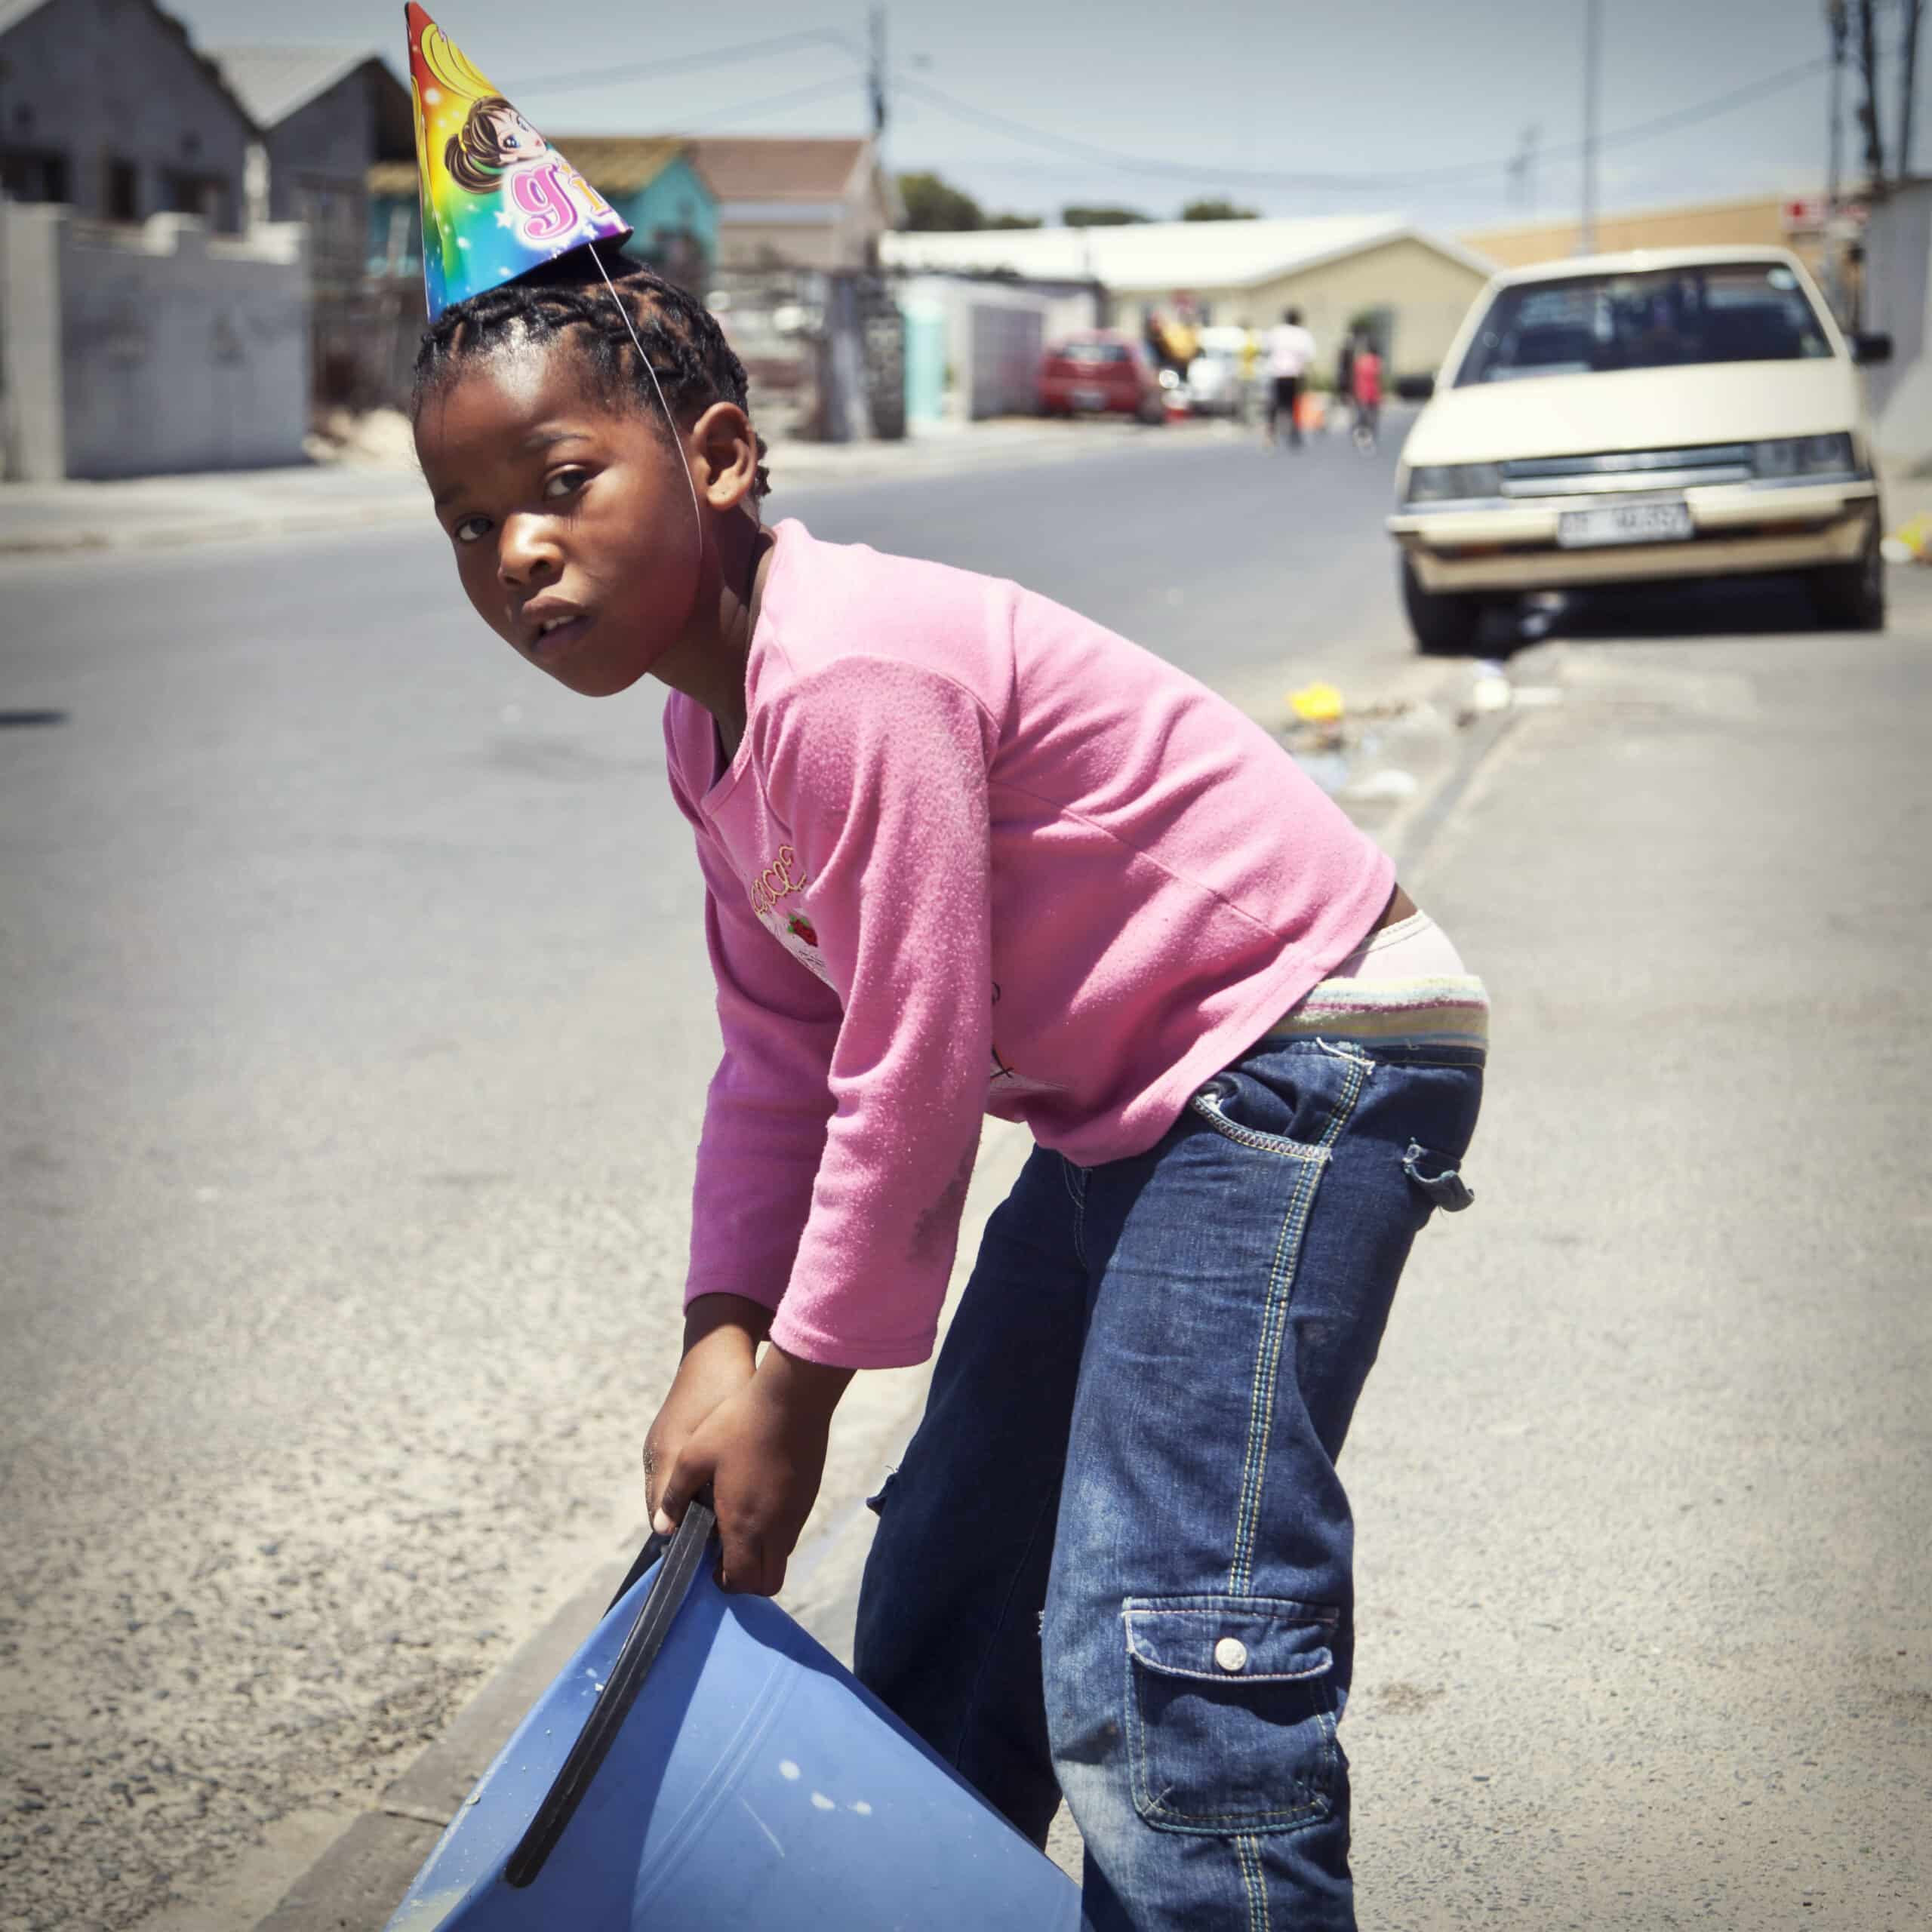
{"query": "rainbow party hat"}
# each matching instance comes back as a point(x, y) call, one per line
point(498, 201)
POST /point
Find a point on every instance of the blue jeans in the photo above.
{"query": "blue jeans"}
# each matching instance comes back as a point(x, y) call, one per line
point(1116, 1562)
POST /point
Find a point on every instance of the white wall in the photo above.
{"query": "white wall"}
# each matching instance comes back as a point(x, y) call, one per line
point(176, 350)
point(1898, 300)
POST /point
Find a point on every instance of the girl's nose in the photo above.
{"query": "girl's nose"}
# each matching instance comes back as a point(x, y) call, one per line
point(528, 552)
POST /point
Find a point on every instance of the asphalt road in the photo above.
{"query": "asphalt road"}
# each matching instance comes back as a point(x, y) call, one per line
point(358, 1027)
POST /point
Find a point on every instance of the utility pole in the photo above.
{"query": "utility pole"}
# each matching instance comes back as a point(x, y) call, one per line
point(1586, 234)
point(1522, 168)
point(1868, 111)
point(1839, 28)
point(1908, 80)
point(875, 76)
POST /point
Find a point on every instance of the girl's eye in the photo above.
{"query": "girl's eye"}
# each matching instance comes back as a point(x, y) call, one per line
point(471, 528)
point(566, 483)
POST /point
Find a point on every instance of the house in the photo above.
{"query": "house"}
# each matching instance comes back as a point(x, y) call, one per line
point(652, 183)
point(326, 115)
point(1753, 221)
point(106, 106)
point(822, 204)
point(146, 323)
point(1415, 288)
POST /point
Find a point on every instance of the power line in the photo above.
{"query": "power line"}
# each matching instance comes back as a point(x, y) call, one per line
point(796, 97)
point(1172, 170)
point(716, 57)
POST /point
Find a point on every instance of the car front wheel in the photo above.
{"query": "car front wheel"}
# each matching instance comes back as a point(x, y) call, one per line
point(1445, 625)
point(1851, 597)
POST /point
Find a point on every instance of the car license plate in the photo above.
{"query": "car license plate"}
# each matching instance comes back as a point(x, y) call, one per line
point(1651, 522)
point(1089, 398)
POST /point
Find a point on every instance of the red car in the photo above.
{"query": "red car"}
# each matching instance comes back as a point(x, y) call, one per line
point(1103, 372)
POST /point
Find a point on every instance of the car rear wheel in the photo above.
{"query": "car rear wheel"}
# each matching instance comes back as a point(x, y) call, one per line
point(1445, 625)
point(1851, 597)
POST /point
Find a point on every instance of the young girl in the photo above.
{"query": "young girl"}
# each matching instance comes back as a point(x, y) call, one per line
point(967, 853)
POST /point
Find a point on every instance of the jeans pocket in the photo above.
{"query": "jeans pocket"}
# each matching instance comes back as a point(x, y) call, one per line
point(1230, 1712)
point(1230, 1105)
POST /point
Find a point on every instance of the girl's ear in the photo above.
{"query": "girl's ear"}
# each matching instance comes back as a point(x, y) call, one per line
point(723, 456)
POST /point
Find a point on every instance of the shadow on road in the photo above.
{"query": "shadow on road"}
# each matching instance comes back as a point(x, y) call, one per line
point(1714, 607)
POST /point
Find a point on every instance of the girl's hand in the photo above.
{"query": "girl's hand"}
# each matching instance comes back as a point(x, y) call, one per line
point(762, 1450)
point(722, 1335)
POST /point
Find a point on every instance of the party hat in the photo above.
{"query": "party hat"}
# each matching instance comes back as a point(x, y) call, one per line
point(498, 201)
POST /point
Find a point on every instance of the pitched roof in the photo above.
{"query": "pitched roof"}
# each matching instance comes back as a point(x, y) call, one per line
point(613, 164)
point(1166, 255)
point(274, 82)
point(12, 12)
point(621, 163)
point(754, 168)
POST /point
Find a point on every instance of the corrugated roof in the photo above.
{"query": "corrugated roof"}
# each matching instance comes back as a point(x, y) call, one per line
point(1165, 255)
point(613, 164)
point(274, 82)
point(754, 168)
point(620, 164)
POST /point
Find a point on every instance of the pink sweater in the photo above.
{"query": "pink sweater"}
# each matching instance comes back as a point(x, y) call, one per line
point(975, 855)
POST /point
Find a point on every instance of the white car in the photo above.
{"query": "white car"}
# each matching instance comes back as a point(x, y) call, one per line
point(1219, 379)
point(1675, 413)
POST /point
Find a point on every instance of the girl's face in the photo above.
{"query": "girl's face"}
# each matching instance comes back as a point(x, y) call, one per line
point(515, 139)
point(570, 519)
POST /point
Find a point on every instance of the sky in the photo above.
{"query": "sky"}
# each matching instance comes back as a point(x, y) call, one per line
point(1411, 107)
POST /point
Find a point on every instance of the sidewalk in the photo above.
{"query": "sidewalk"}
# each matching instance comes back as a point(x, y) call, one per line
point(51, 518)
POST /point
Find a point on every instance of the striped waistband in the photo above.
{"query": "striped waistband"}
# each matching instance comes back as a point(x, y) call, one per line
point(1448, 1010)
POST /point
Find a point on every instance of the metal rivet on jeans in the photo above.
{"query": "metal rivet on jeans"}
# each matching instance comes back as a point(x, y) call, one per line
point(1231, 1654)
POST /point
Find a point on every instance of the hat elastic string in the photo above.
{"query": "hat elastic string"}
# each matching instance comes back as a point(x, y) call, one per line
point(697, 515)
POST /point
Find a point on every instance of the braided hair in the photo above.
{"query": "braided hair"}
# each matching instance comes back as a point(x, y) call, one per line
point(693, 362)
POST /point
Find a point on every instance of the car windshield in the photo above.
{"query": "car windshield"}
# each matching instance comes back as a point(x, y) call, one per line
point(1093, 352)
point(1730, 312)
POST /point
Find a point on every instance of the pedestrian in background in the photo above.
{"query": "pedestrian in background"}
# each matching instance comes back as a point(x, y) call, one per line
point(1365, 385)
point(1290, 350)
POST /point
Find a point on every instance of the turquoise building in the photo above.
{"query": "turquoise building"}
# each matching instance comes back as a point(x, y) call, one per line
point(653, 182)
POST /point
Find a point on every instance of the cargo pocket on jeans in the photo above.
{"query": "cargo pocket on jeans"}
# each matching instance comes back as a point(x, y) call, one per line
point(1230, 1712)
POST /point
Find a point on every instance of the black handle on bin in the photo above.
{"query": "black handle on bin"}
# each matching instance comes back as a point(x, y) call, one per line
point(661, 1604)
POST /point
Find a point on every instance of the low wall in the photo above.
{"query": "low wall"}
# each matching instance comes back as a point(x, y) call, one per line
point(176, 350)
point(994, 336)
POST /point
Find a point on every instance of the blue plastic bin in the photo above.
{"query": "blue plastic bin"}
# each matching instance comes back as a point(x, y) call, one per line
point(753, 1784)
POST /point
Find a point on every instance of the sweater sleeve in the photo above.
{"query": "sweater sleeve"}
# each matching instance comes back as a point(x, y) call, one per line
point(880, 768)
point(765, 1113)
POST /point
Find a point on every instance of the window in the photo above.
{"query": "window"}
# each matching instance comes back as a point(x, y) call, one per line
point(1718, 312)
point(123, 190)
point(205, 195)
point(30, 174)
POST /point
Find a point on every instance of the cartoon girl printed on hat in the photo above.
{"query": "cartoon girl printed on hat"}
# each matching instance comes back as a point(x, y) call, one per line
point(494, 139)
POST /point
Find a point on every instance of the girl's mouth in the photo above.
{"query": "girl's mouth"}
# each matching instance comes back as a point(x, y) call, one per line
point(559, 635)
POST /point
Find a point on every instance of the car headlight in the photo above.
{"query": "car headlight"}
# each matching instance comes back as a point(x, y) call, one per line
point(1446, 482)
point(1804, 456)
